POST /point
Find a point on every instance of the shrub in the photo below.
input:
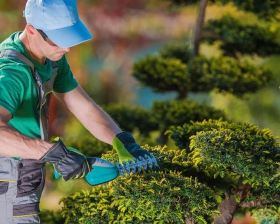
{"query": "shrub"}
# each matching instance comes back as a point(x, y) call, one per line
point(162, 196)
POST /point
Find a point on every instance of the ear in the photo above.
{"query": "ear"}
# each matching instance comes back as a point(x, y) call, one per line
point(30, 29)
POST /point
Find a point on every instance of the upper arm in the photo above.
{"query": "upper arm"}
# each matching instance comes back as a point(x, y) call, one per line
point(15, 82)
point(5, 116)
point(64, 75)
point(94, 119)
point(74, 100)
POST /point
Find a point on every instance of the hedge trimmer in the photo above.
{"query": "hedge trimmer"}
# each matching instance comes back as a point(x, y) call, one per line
point(103, 171)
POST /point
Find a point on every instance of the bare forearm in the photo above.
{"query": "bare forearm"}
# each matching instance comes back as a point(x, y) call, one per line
point(94, 119)
point(15, 144)
point(99, 123)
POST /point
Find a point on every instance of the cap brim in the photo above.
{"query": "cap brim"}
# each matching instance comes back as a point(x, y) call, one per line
point(69, 36)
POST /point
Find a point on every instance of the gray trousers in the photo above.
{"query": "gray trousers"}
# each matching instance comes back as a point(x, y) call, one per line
point(21, 185)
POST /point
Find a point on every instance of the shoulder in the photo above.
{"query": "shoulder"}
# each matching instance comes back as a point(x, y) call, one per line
point(63, 66)
point(62, 62)
point(15, 84)
point(14, 69)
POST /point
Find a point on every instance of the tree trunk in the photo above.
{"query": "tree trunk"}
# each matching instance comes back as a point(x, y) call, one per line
point(162, 139)
point(227, 209)
point(197, 32)
point(182, 95)
point(190, 221)
point(229, 206)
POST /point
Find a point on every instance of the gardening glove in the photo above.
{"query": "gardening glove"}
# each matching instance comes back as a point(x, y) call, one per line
point(127, 148)
point(68, 162)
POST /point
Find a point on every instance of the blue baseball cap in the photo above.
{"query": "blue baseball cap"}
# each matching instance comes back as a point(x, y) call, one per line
point(59, 19)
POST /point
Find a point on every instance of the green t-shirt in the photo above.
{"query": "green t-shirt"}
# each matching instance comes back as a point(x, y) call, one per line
point(18, 91)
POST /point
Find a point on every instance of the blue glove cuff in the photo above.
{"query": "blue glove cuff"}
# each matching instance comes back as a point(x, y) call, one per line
point(126, 138)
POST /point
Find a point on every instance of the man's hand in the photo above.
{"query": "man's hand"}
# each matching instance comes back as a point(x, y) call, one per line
point(127, 148)
point(67, 161)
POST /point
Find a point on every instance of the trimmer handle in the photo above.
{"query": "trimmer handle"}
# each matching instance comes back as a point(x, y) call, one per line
point(102, 171)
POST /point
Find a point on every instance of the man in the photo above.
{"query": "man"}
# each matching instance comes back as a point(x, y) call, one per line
point(28, 60)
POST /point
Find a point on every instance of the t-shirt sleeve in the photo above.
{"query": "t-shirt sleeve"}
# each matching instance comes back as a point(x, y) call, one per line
point(12, 88)
point(64, 81)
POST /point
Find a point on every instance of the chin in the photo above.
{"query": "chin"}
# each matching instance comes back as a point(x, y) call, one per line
point(56, 58)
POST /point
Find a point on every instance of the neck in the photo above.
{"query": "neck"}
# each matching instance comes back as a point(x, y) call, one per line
point(29, 44)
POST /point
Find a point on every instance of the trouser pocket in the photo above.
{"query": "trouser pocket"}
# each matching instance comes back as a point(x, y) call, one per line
point(3, 187)
point(30, 177)
point(26, 213)
point(21, 185)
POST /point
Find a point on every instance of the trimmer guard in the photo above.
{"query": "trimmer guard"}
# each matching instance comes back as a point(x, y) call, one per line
point(102, 171)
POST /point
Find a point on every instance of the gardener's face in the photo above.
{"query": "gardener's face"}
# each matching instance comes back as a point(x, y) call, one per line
point(48, 48)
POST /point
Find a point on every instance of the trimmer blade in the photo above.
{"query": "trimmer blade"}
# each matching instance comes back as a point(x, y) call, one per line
point(149, 161)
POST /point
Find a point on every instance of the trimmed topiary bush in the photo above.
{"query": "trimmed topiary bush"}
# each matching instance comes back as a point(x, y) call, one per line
point(162, 196)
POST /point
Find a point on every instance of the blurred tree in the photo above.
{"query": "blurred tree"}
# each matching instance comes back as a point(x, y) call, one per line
point(130, 117)
point(235, 37)
point(180, 68)
point(266, 9)
point(176, 112)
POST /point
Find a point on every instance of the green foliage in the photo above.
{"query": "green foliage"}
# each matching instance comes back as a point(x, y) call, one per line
point(180, 190)
point(183, 2)
point(178, 51)
point(228, 151)
point(223, 74)
point(236, 37)
point(181, 134)
point(228, 75)
point(267, 193)
point(51, 217)
point(162, 196)
point(131, 118)
point(231, 150)
point(265, 9)
point(242, 149)
point(178, 112)
point(162, 74)
point(266, 216)
point(86, 206)
point(198, 68)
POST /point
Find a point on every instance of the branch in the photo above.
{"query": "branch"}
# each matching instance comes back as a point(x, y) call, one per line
point(196, 37)
point(258, 204)
point(211, 34)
